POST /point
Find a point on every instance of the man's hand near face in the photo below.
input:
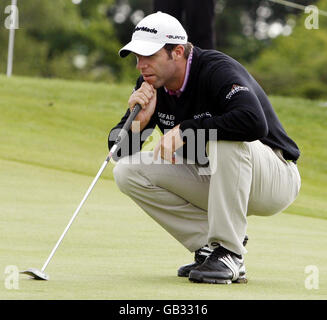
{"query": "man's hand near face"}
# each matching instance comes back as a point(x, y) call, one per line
point(168, 144)
point(146, 96)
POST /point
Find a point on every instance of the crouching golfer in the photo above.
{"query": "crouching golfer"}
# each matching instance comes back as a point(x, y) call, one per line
point(205, 103)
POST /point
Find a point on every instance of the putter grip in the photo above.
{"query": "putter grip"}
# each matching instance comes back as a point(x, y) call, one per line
point(137, 108)
point(123, 132)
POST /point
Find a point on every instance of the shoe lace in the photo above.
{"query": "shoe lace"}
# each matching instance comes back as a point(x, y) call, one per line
point(218, 253)
point(202, 253)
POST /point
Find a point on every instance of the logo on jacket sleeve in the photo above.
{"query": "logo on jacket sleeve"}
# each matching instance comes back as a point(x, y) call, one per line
point(202, 115)
point(236, 88)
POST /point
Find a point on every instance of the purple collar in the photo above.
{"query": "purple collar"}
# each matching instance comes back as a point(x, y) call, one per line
point(187, 73)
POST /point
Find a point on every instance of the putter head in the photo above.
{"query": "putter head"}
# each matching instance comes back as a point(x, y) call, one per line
point(36, 274)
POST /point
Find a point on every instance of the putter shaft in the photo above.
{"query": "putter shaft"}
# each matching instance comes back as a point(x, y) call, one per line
point(76, 212)
point(121, 136)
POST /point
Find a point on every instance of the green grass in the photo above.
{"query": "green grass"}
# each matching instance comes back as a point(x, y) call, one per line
point(115, 251)
point(53, 140)
point(305, 121)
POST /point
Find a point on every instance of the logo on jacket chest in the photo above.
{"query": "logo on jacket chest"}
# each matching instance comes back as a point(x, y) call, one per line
point(166, 119)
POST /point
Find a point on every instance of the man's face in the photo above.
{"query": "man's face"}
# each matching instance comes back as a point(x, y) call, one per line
point(158, 69)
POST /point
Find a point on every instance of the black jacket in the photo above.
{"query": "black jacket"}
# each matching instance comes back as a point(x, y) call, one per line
point(220, 94)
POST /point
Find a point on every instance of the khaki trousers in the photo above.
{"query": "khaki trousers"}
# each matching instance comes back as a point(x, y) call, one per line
point(201, 206)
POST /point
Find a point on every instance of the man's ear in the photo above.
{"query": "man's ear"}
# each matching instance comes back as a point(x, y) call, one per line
point(178, 52)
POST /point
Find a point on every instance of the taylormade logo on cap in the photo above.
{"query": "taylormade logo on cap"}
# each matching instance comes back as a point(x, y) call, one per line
point(145, 29)
point(153, 32)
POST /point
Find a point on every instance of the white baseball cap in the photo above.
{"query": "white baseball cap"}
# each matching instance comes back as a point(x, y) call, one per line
point(152, 33)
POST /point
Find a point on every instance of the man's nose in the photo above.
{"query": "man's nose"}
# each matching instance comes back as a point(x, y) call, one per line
point(141, 63)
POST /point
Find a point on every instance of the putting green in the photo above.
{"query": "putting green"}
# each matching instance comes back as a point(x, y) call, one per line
point(52, 143)
point(115, 251)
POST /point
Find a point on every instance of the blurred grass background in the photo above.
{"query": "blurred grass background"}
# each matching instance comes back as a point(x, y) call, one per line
point(64, 125)
point(81, 41)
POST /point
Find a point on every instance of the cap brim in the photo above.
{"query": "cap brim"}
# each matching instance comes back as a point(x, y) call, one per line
point(143, 48)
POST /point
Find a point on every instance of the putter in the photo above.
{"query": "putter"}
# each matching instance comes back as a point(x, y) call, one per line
point(40, 274)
